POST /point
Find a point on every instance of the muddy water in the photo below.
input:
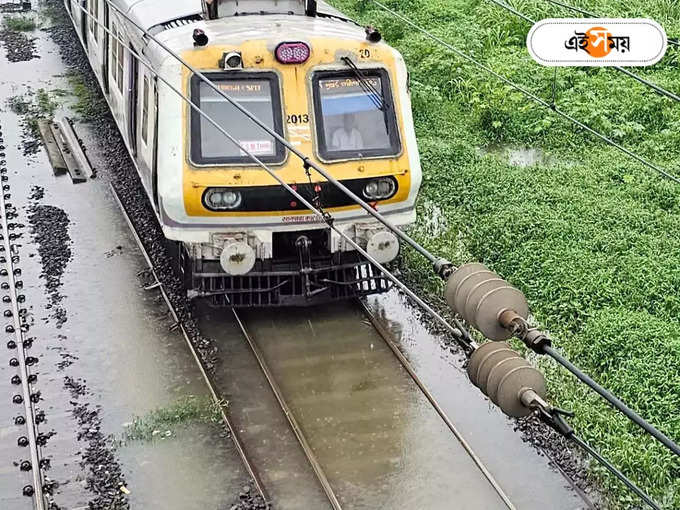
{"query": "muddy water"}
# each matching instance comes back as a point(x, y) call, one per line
point(380, 442)
point(115, 342)
point(487, 430)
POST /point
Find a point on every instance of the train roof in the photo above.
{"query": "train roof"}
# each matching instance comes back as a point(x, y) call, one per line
point(164, 14)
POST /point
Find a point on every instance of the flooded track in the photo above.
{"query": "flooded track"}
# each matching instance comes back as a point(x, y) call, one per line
point(107, 357)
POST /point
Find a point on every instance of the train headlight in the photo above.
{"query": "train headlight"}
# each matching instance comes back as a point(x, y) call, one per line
point(292, 53)
point(222, 199)
point(380, 189)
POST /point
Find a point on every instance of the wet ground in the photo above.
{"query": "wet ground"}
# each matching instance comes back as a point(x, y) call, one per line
point(106, 353)
point(107, 356)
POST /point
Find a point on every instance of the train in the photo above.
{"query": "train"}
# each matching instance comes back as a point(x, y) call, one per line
point(329, 86)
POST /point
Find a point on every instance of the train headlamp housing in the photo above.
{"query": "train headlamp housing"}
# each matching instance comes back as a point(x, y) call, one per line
point(222, 199)
point(292, 52)
point(380, 189)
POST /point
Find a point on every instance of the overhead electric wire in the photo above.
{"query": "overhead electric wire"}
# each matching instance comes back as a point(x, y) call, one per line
point(459, 332)
point(282, 140)
point(613, 401)
point(528, 93)
point(615, 471)
point(549, 350)
point(620, 69)
point(672, 41)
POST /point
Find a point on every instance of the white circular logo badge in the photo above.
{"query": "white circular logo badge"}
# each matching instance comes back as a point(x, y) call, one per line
point(597, 42)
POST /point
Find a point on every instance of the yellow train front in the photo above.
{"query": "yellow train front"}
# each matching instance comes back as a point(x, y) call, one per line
point(334, 91)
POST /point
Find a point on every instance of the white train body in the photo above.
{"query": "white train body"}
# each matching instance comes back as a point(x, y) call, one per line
point(346, 106)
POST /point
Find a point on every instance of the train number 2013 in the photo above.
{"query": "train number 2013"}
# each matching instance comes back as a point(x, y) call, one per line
point(301, 118)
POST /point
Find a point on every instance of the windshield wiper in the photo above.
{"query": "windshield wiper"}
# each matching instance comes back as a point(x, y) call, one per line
point(374, 95)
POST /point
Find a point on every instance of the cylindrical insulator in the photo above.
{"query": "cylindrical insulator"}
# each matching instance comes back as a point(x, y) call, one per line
point(478, 355)
point(514, 384)
point(499, 371)
point(480, 296)
point(492, 304)
point(503, 375)
point(485, 357)
point(456, 278)
point(489, 363)
point(477, 292)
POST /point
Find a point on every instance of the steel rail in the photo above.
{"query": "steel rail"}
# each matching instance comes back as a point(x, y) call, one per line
point(217, 401)
point(526, 92)
point(39, 500)
point(384, 334)
point(620, 69)
point(461, 335)
point(292, 421)
point(307, 162)
point(459, 332)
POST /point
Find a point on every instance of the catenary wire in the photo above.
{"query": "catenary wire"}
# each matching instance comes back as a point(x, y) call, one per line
point(629, 413)
point(459, 332)
point(527, 93)
point(281, 139)
point(620, 69)
point(672, 41)
point(616, 472)
point(613, 401)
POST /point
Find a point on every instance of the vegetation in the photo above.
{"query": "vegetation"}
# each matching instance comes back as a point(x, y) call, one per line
point(34, 107)
point(19, 23)
point(591, 236)
point(161, 422)
point(89, 104)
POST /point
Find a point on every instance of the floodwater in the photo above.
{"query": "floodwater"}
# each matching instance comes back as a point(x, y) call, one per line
point(517, 156)
point(485, 428)
point(116, 340)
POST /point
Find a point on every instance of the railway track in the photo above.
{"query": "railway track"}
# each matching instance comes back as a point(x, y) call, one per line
point(19, 345)
point(327, 412)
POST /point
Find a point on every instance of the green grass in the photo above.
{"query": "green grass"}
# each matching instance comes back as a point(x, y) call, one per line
point(89, 102)
point(159, 422)
point(19, 23)
point(34, 107)
point(591, 236)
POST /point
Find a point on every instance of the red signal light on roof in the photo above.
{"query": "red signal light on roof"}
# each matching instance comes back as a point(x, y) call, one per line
point(292, 53)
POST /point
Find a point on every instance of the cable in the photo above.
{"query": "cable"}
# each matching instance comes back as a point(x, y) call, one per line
point(615, 402)
point(648, 83)
point(303, 157)
point(529, 94)
point(672, 41)
point(616, 472)
point(459, 332)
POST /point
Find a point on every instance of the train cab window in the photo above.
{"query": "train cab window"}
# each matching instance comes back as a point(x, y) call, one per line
point(256, 92)
point(355, 115)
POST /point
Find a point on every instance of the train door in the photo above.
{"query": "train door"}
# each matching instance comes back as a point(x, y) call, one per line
point(133, 101)
point(83, 22)
point(106, 50)
point(146, 131)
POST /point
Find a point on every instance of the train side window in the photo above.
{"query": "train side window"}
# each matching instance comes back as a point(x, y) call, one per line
point(355, 116)
point(94, 18)
point(120, 61)
point(259, 94)
point(114, 52)
point(145, 111)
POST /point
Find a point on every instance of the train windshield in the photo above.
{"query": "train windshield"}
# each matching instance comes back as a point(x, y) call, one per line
point(355, 115)
point(259, 94)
